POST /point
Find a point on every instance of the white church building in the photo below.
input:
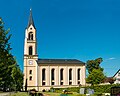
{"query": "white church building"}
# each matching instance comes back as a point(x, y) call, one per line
point(42, 74)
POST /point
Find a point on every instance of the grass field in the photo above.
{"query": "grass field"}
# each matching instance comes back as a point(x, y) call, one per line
point(20, 94)
point(59, 94)
point(46, 94)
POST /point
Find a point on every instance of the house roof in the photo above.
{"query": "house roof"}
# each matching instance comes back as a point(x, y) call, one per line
point(116, 72)
point(107, 79)
point(60, 61)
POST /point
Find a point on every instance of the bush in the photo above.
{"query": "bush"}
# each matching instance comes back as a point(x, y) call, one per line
point(98, 94)
point(103, 88)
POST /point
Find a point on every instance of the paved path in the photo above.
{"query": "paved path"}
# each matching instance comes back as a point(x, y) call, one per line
point(6, 94)
point(46, 95)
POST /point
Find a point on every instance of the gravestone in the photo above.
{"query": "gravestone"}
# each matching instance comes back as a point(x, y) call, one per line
point(90, 91)
point(82, 90)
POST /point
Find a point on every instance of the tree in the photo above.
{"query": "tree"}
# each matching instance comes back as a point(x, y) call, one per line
point(7, 60)
point(94, 64)
point(96, 75)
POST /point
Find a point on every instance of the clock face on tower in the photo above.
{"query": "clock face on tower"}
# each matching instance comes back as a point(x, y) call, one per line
point(30, 62)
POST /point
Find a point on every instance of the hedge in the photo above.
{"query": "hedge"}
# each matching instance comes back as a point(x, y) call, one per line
point(97, 88)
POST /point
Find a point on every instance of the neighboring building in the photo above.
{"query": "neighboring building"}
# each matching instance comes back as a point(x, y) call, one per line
point(46, 73)
point(117, 77)
point(108, 80)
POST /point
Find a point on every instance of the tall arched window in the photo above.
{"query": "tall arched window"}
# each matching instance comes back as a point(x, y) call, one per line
point(43, 74)
point(52, 74)
point(30, 36)
point(70, 74)
point(30, 50)
point(61, 77)
point(78, 73)
point(61, 74)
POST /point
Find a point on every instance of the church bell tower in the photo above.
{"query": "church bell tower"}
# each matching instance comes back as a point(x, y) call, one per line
point(30, 56)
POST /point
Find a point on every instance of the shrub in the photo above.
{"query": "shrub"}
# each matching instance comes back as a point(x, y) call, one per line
point(43, 90)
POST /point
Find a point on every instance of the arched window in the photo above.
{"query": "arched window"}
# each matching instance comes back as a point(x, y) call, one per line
point(30, 78)
point(30, 50)
point(61, 77)
point(53, 74)
point(61, 74)
point(30, 72)
point(30, 36)
point(70, 74)
point(43, 74)
point(78, 73)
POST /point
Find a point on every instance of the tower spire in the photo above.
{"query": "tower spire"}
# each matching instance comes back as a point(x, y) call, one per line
point(30, 22)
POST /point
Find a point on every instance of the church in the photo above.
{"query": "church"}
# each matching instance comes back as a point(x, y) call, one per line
point(41, 73)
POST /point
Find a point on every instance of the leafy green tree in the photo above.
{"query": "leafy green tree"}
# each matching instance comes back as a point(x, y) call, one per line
point(94, 64)
point(95, 77)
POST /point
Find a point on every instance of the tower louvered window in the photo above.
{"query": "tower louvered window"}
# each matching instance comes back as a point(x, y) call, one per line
point(30, 36)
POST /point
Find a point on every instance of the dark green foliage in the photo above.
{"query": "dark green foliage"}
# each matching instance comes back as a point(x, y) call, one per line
point(7, 60)
point(93, 64)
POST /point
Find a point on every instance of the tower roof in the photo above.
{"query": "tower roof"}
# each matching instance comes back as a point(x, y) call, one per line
point(30, 22)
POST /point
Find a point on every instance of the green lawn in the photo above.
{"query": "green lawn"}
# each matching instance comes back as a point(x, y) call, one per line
point(51, 93)
point(47, 93)
point(58, 94)
point(20, 94)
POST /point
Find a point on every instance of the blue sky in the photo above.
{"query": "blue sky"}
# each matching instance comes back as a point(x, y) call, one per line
point(80, 29)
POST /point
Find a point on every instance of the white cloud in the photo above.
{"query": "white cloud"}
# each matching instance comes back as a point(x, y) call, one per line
point(109, 59)
point(112, 58)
